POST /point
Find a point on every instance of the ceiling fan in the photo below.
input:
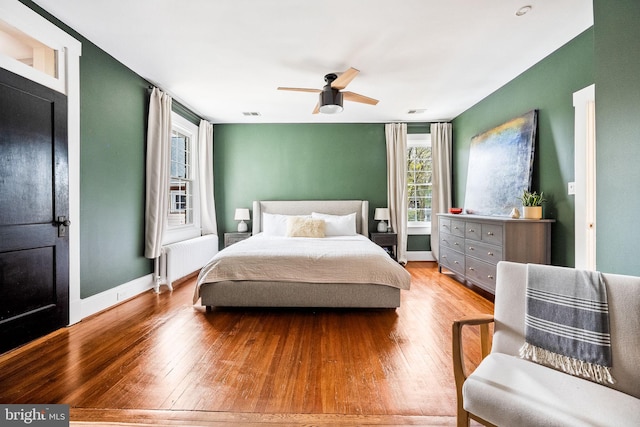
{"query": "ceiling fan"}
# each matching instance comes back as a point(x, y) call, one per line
point(332, 95)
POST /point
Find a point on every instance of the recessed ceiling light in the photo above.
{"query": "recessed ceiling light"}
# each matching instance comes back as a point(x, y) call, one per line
point(523, 10)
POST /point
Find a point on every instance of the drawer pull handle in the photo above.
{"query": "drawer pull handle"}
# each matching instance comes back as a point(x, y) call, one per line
point(456, 262)
point(472, 269)
point(490, 253)
point(471, 230)
point(456, 228)
point(471, 248)
point(490, 277)
point(457, 244)
point(489, 233)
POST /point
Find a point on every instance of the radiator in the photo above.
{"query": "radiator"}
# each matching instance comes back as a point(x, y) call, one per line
point(180, 259)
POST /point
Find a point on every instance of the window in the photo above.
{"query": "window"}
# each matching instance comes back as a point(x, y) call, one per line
point(181, 185)
point(419, 174)
point(33, 51)
point(27, 50)
point(183, 218)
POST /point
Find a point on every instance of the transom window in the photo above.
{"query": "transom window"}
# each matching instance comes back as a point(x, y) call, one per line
point(419, 180)
point(34, 51)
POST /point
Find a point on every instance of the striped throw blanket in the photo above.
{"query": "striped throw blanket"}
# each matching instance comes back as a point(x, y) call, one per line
point(567, 322)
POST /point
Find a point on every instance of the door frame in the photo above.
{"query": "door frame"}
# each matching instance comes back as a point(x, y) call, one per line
point(68, 83)
point(585, 178)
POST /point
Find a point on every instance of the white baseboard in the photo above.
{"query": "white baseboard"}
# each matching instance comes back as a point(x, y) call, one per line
point(111, 297)
point(420, 256)
point(75, 311)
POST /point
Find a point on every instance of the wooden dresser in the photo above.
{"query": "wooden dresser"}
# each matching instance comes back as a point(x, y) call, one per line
point(471, 245)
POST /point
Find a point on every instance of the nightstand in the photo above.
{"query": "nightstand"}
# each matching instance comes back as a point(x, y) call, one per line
point(388, 241)
point(231, 238)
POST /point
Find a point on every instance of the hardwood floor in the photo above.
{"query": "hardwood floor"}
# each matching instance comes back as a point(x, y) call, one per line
point(157, 359)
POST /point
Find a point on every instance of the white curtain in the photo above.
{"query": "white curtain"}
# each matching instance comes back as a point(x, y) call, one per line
point(441, 178)
point(205, 170)
point(157, 183)
point(396, 137)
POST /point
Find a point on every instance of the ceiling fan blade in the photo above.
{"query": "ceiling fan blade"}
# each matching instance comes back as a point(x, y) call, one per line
point(300, 89)
point(356, 97)
point(317, 109)
point(345, 78)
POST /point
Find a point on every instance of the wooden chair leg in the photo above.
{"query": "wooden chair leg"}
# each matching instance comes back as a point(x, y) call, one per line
point(463, 416)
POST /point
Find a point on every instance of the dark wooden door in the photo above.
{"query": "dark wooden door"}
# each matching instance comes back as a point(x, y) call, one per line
point(34, 244)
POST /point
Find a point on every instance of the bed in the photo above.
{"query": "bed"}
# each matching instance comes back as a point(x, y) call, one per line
point(269, 269)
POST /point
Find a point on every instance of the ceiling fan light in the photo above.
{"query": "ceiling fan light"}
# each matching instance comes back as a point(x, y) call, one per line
point(330, 101)
point(331, 109)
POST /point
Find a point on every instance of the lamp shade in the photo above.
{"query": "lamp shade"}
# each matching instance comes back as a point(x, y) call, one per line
point(381, 214)
point(242, 214)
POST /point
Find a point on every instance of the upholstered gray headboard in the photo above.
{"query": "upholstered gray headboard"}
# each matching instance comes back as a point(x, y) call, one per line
point(305, 207)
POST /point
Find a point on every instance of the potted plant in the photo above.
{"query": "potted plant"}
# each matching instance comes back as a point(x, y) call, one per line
point(532, 204)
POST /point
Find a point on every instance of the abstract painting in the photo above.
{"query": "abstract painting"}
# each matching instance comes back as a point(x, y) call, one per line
point(500, 166)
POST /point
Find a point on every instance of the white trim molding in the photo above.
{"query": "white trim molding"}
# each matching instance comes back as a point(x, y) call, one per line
point(585, 178)
point(420, 256)
point(107, 299)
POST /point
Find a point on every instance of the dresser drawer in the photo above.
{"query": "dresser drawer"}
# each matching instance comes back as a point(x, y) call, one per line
point(492, 233)
point(489, 253)
point(444, 225)
point(384, 239)
point(454, 242)
point(473, 230)
point(481, 274)
point(231, 238)
point(452, 260)
point(457, 228)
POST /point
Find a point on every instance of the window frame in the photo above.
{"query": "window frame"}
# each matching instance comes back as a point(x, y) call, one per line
point(52, 38)
point(418, 140)
point(181, 232)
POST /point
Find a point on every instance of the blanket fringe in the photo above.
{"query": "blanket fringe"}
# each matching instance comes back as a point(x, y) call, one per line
point(597, 373)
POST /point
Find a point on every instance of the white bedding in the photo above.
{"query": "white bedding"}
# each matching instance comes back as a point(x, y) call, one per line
point(340, 259)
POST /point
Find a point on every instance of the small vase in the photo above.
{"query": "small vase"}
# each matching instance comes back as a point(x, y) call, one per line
point(532, 212)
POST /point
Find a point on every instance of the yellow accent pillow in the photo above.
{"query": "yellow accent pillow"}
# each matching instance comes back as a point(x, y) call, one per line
point(304, 227)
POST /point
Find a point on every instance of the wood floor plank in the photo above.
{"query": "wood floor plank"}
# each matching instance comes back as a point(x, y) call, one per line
point(143, 418)
point(157, 358)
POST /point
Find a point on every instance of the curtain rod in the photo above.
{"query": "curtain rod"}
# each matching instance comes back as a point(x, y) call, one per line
point(179, 105)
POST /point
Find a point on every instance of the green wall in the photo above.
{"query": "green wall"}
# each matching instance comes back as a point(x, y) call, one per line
point(113, 113)
point(617, 77)
point(547, 86)
point(297, 161)
point(302, 161)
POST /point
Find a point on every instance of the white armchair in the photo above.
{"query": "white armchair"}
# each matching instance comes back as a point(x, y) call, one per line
point(506, 390)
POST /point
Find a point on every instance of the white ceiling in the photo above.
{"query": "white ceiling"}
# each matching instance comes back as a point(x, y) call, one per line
point(225, 57)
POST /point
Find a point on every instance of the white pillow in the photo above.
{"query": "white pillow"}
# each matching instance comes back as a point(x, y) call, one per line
point(337, 225)
point(276, 224)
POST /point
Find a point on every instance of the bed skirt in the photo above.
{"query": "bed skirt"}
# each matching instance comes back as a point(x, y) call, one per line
point(274, 294)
